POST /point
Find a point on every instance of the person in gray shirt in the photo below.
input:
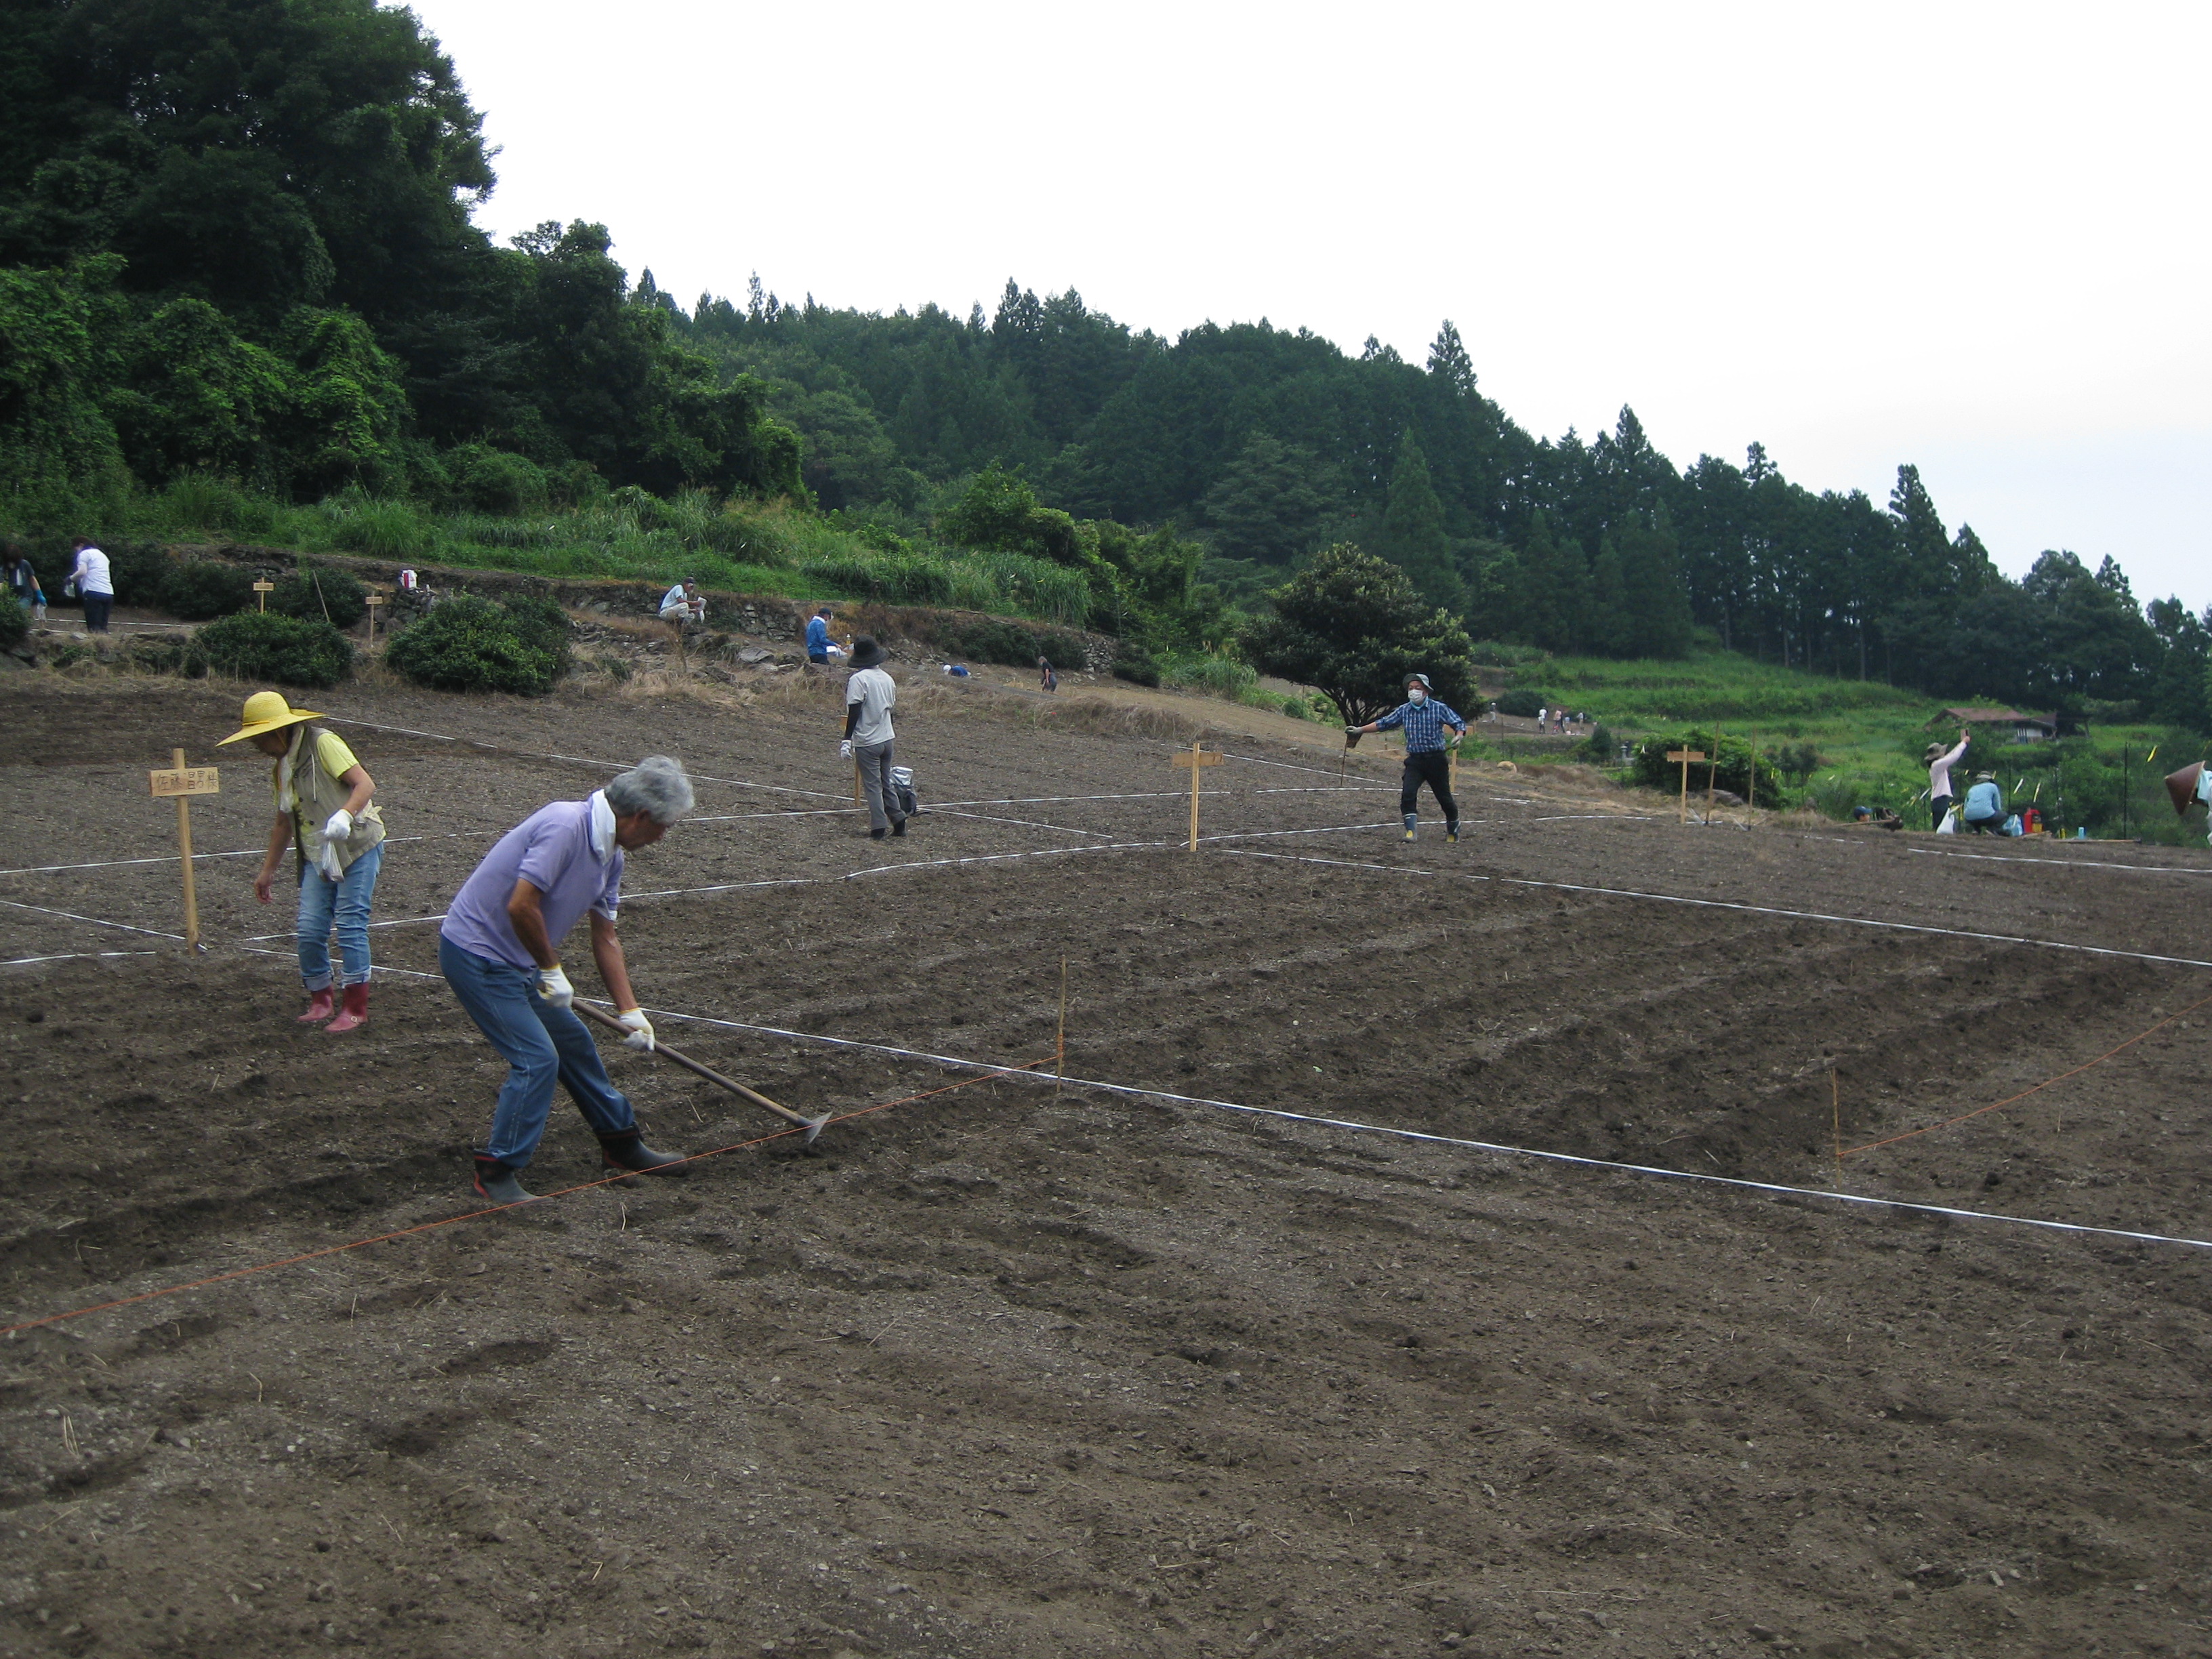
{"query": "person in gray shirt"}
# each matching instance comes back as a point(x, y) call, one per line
point(869, 694)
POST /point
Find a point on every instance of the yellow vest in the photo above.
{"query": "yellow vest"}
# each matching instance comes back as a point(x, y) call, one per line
point(317, 795)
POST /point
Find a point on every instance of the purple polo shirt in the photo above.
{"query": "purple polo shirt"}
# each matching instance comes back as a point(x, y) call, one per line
point(550, 849)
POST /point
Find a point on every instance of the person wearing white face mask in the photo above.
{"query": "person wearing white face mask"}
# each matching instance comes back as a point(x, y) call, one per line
point(1428, 757)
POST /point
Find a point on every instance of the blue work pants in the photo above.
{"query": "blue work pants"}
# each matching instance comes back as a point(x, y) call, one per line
point(344, 902)
point(542, 1045)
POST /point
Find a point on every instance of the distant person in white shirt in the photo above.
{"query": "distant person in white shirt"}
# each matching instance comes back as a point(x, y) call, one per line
point(869, 694)
point(94, 584)
point(684, 603)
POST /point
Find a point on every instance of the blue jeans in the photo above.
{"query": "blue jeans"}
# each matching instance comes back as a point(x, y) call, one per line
point(347, 900)
point(542, 1045)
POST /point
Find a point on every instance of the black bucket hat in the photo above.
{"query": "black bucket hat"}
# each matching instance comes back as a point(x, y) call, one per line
point(866, 654)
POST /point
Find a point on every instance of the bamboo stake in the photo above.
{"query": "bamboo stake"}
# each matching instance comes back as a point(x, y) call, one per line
point(185, 843)
point(1060, 1059)
point(1836, 1118)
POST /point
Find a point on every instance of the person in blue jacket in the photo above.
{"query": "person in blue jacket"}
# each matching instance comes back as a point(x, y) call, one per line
point(1428, 757)
point(1985, 807)
point(818, 646)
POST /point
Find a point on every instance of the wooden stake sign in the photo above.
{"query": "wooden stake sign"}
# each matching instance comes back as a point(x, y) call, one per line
point(1193, 757)
point(1685, 757)
point(184, 782)
point(373, 601)
point(262, 590)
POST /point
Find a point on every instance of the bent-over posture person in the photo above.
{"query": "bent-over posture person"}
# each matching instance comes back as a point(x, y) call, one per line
point(1428, 758)
point(500, 950)
point(325, 814)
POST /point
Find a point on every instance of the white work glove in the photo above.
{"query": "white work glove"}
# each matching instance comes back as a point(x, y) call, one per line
point(553, 985)
point(640, 1029)
point(338, 826)
point(845, 749)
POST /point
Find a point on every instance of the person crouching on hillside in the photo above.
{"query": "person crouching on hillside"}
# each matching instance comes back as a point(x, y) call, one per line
point(1428, 757)
point(870, 694)
point(500, 950)
point(324, 813)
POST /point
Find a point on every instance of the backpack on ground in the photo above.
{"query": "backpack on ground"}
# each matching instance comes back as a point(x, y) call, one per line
point(902, 786)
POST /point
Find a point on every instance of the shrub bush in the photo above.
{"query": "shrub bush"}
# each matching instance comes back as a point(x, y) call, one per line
point(15, 621)
point(491, 480)
point(165, 653)
point(199, 589)
point(469, 644)
point(266, 645)
point(1523, 702)
point(1135, 663)
point(317, 594)
point(543, 625)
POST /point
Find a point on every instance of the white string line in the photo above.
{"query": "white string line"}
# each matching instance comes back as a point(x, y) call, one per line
point(71, 956)
point(1027, 823)
point(1730, 904)
point(1353, 1126)
point(2064, 864)
point(96, 922)
point(740, 818)
point(1426, 1137)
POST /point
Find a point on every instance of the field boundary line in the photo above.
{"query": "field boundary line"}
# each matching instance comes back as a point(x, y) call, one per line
point(97, 921)
point(1428, 1137)
point(1734, 904)
point(1891, 1140)
point(616, 1179)
point(72, 955)
point(2063, 863)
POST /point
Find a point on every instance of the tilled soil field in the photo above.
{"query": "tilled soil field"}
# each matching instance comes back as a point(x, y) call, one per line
point(1031, 1365)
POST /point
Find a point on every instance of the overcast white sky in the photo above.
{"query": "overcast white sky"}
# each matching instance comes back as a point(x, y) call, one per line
point(1971, 237)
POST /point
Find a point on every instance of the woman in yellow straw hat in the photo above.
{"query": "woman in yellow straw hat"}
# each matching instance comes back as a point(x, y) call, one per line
point(323, 810)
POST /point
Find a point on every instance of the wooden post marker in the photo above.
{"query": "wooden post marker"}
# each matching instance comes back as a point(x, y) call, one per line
point(1713, 774)
point(262, 591)
point(373, 601)
point(184, 782)
point(1193, 757)
point(1685, 757)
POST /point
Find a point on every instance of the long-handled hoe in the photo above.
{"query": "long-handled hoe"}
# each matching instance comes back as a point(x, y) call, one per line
point(797, 1120)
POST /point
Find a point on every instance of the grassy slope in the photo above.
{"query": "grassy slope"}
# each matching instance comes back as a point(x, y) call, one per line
point(1870, 737)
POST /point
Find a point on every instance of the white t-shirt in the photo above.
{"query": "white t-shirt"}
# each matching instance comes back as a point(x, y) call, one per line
point(90, 572)
point(676, 599)
point(875, 691)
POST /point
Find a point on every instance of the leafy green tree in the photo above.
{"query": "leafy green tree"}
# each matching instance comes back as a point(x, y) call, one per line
point(1352, 626)
point(1268, 503)
point(1655, 601)
point(1000, 511)
point(259, 154)
point(1412, 535)
point(57, 446)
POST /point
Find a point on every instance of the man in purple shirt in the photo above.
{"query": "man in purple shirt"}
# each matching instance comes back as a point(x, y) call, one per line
point(499, 948)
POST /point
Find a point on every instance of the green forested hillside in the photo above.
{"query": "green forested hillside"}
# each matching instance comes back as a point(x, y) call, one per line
point(240, 269)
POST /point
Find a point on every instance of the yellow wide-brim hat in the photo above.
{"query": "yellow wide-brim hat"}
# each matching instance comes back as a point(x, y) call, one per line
point(267, 711)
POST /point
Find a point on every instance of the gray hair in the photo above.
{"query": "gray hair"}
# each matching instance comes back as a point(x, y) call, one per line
point(656, 786)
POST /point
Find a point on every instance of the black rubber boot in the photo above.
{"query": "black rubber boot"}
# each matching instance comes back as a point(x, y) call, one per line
point(629, 1151)
point(495, 1182)
point(899, 829)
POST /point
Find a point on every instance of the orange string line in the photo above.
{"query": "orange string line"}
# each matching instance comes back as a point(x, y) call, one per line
point(473, 1215)
point(2013, 1099)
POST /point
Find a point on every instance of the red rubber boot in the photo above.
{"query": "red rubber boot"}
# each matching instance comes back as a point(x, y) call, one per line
point(321, 1005)
point(356, 1009)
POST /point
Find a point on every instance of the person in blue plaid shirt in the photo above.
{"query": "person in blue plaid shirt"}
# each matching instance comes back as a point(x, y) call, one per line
point(1428, 756)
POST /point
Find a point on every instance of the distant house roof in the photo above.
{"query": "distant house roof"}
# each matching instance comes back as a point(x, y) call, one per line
point(1993, 717)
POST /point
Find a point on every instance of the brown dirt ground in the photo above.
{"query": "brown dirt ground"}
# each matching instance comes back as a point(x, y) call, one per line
point(1019, 1371)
